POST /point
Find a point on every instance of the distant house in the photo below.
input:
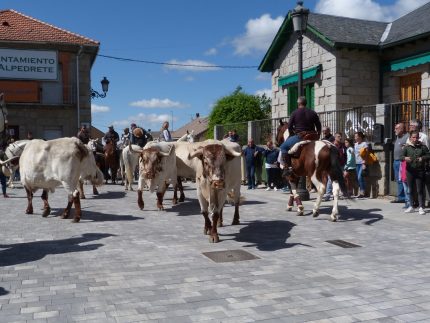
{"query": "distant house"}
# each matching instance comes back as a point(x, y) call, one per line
point(351, 62)
point(199, 125)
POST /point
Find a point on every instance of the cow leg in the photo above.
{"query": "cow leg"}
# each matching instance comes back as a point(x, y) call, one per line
point(78, 211)
point(321, 188)
point(220, 220)
point(214, 238)
point(175, 194)
point(290, 203)
point(160, 196)
point(81, 189)
point(66, 212)
point(181, 190)
point(236, 216)
point(46, 207)
point(335, 211)
point(29, 209)
point(140, 202)
point(208, 225)
point(95, 191)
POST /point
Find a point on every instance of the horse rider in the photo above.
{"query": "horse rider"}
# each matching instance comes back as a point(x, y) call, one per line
point(138, 135)
point(84, 135)
point(303, 123)
point(125, 137)
point(111, 135)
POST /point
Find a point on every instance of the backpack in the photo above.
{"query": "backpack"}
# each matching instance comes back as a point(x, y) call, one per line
point(369, 157)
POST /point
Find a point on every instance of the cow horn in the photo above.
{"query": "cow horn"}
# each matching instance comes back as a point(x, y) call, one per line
point(230, 151)
point(8, 160)
point(134, 151)
point(197, 153)
point(166, 154)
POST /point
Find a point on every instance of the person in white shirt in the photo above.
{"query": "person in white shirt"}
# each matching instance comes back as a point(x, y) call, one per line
point(416, 125)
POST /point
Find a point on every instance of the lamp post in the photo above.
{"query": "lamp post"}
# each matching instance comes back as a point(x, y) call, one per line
point(300, 21)
point(105, 88)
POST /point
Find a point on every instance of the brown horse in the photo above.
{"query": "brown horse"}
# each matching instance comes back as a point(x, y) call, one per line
point(280, 132)
point(316, 160)
point(111, 161)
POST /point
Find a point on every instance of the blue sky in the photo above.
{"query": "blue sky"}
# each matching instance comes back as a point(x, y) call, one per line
point(222, 32)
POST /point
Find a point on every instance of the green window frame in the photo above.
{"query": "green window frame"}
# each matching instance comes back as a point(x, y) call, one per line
point(293, 95)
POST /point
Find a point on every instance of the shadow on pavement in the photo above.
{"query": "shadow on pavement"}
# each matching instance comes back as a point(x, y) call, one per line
point(348, 214)
point(91, 216)
point(107, 195)
point(189, 207)
point(266, 235)
point(21, 253)
point(252, 202)
point(3, 291)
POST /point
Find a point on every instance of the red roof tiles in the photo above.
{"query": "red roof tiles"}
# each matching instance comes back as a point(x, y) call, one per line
point(15, 26)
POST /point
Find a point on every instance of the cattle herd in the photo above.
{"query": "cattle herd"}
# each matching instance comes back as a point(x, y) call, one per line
point(215, 165)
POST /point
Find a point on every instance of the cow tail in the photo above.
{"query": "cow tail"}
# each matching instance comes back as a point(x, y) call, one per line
point(82, 151)
point(336, 173)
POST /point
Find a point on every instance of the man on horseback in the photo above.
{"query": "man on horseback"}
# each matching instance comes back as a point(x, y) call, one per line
point(111, 135)
point(304, 123)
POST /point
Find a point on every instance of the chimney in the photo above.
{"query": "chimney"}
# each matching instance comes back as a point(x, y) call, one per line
point(197, 115)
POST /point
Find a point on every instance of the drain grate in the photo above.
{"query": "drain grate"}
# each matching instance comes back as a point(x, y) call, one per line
point(230, 255)
point(343, 244)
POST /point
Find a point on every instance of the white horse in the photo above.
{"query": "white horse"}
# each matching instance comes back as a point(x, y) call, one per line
point(189, 136)
point(14, 150)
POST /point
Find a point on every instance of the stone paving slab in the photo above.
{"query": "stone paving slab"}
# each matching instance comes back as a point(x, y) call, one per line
point(121, 264)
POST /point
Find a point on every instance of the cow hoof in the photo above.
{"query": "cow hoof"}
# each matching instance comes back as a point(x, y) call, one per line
point(141, 205)
point(175, 201)
point(219, 224)
point(206, 231)
point(29, 211)
point(181, 199)
point(300, 213)
point(161, 208)
point(126, 188)
point(83, 197)
point(76, 220)
point(333, 218)
point(213, 239)
point(46, 212)
point(315, 213)
point(235, 222)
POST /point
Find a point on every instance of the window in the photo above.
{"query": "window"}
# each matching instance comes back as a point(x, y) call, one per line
point(293, 95)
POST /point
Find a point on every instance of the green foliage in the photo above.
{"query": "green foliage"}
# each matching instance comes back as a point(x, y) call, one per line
point(238, 107)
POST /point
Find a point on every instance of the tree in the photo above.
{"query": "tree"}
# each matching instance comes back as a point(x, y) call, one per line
point(238, 107)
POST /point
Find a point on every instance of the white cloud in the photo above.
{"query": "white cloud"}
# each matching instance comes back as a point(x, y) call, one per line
point(148, 121)
point(211, 51)
point(191, 65)
point(99, 108)
point(158, 103)
point(368, 9)
point(268, 92)
point(189, 79)
point(263, 77)
point(258, 36)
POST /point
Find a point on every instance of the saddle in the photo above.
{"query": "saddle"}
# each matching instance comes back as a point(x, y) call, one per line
point(305, 138)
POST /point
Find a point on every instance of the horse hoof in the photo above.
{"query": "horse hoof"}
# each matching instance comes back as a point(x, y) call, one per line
point(46, 212)
point(333, 218)
point(213, 239)
point(174, 201)
point(300, 213)
point(289, 209)
point(315, 214)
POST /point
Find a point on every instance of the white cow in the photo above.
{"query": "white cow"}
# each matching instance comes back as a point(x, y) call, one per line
point(14, 149)
point(130, 160)
point(157, 169)
point(215, 165)
point(48, 164)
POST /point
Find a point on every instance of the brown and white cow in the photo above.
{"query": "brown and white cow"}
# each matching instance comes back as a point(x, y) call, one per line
point(213, 182)
point(157, 169)
point(48, 164)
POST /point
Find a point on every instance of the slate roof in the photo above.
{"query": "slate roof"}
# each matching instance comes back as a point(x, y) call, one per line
point(342, 30)
point(353, 33)
point(410, 26)
point(15, 26)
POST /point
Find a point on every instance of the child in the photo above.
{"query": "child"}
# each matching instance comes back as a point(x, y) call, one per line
point(350, 173)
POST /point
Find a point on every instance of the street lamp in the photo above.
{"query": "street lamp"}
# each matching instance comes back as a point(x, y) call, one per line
point(105, 88)
point(300, 22)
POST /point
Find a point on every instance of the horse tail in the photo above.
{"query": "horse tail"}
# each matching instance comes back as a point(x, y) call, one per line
point(336, 173)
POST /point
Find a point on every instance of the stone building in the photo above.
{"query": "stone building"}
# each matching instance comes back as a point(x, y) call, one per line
point(351, 62)
point(45, 76)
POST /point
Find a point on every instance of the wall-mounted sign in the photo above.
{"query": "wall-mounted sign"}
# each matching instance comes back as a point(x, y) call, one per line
point(28, 64)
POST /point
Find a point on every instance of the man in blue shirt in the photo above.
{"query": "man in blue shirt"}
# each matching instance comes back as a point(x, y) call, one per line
point(251, 153)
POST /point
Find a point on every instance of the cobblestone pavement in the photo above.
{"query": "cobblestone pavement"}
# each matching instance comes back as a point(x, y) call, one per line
point(120, 264)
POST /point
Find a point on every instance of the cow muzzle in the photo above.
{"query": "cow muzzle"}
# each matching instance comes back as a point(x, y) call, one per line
point(149, 175)
point(218, 184)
